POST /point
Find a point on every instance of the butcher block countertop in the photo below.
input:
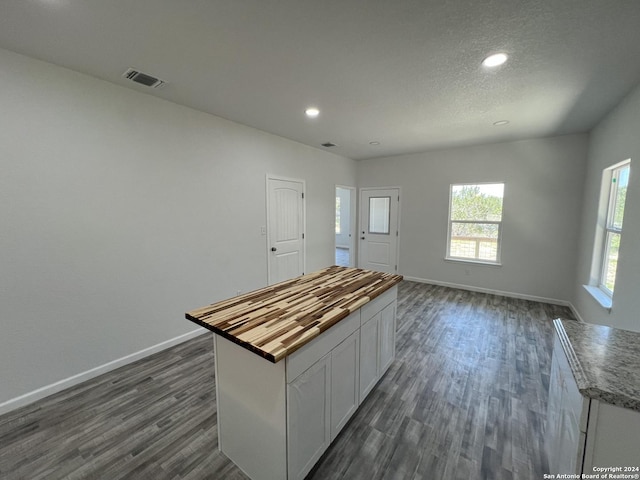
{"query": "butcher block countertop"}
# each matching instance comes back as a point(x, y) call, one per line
point(275, 321)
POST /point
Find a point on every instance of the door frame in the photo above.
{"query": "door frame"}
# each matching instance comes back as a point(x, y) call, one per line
point(360, 192)
point(268, 177)
point(353, 225)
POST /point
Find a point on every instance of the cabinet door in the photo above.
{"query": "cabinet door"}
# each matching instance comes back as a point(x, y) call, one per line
point(308, 415)
point(612, 437)
point(369, 345)
point(345, 365)
point(387, 329)
point(573, 404)
point(553, 431)
point(565, 441)
point(569, 444)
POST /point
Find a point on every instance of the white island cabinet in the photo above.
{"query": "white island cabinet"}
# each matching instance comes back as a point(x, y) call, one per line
point(377, 341)
point(276, 420)
point(322, 393)
point(593, 415)
point(280, 404)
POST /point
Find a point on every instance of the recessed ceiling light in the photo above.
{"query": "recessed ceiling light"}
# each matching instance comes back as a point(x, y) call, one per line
point(374, 143)
point(495, 60)
point(312, 112)
point(500, 122)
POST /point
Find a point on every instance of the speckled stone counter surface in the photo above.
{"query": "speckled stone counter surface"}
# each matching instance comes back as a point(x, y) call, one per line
point(605, 361)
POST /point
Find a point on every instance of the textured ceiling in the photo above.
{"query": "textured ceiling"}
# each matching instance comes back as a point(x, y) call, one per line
point(405, 73)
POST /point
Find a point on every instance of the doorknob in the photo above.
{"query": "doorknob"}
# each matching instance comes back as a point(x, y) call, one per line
point(273, 249)
point(361, 238)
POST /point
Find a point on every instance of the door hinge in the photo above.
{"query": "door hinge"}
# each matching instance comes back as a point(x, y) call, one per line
point(302, 194)
point(396, 268)
point(398, 197)
point(396, 233)
point(303, 236)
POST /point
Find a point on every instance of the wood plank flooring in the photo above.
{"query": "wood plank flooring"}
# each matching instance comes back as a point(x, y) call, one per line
point(464, 399)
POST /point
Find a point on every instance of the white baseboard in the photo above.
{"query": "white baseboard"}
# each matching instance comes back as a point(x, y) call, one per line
point(471, 288)
point(56, 387)
point(576, 313)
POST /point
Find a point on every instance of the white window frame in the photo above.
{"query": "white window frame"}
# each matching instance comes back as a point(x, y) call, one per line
point(609, 228)
point(606, 212)
point(448, 255)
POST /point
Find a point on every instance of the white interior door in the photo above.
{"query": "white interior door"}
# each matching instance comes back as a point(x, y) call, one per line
point(285, 207)
point(378, 234)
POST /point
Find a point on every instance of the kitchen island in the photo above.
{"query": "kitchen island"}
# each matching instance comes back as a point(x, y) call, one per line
point(593, 417)
point(293, 361)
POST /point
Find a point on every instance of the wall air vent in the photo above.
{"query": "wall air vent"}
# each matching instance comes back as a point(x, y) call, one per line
point(143, 78)
point(328, 144)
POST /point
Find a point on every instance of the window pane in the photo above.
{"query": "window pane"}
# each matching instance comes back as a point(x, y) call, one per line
point(477, 202)
point(611, 260)
point(337, 215)
point(477, 241)
point(379, 214)
point(621, 181)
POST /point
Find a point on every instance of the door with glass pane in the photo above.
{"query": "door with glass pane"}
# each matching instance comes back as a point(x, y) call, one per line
point(378, 234)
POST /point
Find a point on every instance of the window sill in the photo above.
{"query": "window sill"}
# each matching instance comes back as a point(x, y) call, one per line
point(599, 296)
point(471, 261)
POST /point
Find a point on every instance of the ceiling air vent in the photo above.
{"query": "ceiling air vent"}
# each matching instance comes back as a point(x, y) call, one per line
point(143, 78)
point(328, 144)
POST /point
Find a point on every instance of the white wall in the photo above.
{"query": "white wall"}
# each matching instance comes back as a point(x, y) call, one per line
point(616, 138)
point(543, 191)
point(121, 211)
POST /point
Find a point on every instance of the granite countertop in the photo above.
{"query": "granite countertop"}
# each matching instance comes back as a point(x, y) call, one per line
point(275, 321)
point(605, 361)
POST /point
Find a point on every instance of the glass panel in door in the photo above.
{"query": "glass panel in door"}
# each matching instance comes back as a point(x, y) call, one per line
point(379, 215)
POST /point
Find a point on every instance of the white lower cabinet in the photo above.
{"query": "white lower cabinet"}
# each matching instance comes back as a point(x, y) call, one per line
point(275, 420)
point(355, 356)
point(387, 337)
point(612, 439)
point(369, 346)
point(567, 413)
point(320, 402)
point(308, 417)
point(377, 347)
point(584, 434)
point(345, 372)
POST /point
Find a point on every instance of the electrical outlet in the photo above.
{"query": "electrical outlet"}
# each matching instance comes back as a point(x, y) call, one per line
point(238, 292)
point(263, 230)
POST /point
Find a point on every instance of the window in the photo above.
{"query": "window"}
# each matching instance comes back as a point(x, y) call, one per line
point(475, 222)
point(337, 215)
point(379, 215)
point(613, 226)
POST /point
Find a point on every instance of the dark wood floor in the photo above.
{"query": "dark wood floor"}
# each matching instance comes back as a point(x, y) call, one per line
point(465, 399)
